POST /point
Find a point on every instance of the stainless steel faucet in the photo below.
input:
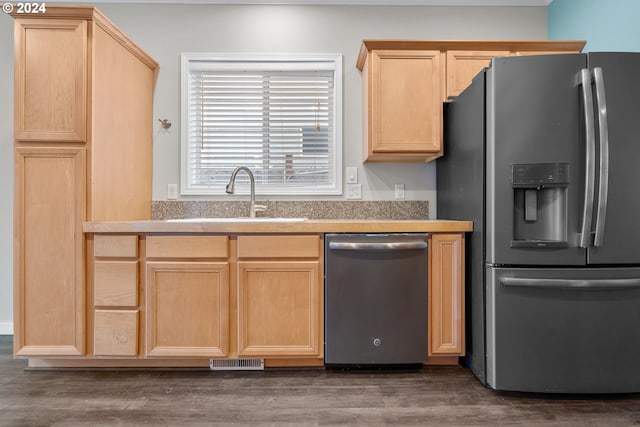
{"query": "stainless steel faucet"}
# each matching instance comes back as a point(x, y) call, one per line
point(253, 208)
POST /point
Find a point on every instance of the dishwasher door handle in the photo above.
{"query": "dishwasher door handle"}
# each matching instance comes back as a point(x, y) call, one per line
point(378, 246)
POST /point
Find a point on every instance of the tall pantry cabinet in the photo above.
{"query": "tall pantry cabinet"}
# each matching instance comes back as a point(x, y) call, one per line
point(83, 140)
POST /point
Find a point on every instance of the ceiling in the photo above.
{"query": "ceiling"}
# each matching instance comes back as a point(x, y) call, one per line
point(342, 2)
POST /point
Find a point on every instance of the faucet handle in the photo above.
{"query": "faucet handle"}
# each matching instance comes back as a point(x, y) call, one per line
point(259, 208)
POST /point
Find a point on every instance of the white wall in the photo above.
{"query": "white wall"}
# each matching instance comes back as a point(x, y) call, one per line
point(6, 174)
point(164, 31)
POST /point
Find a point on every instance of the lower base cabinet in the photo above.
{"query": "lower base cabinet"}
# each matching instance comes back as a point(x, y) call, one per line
point(187, 309)
point(233, 296)
point(279, 308)
point(179, 300)
point(446, 296)
point(280, 296)
point(115, 305)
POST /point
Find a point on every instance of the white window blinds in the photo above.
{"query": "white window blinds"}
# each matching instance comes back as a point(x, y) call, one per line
point(277, 115)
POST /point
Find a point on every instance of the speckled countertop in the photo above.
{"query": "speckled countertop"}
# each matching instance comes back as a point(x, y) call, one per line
point(221, 225)
point(312, 209)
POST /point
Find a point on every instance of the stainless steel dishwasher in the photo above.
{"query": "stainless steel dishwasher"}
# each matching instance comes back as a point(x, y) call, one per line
point(375, 299)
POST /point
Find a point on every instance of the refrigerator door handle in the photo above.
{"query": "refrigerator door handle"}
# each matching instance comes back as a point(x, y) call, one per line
point(603, 181)
point(590, 149)
point(595, 284)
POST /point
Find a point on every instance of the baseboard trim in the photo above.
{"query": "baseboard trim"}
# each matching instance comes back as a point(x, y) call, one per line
point(6, 328)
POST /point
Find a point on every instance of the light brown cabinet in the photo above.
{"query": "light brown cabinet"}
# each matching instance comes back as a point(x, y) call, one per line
point(116, 333)
point(48, 253)
point(404, 83)
point(116, 303)
point(463, 65)
point(280, 294)
point(51, 82)
point(187, 296)
point(82, 137)
point(171, 299)
point(187, 309)
point(403, 104)
point(446, 296)
point(263, 298)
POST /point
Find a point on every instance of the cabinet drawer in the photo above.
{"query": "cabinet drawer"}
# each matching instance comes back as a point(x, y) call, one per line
point(115, 246)
point(305, 246)
point(116, 283)
point(116, 333)
point(187, 247)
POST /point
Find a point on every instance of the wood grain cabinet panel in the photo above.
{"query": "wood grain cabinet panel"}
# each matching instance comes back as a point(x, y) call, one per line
point(270, 246)
point(404, 113)
point(187, 309)
point(116, 333)
point(463, 65)
point(115, 283)
point(194, 246)
point(116, 246)
point(48, 251)
point(279, 306)
point(51, 80)
point(446, 291)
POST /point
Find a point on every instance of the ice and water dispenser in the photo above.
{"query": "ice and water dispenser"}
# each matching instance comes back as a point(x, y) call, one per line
point(540, 204)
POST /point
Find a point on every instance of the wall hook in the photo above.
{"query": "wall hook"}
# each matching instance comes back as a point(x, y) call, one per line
point(166, 123)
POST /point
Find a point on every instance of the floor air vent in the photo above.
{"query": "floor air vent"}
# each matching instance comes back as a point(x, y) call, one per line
point(236, 364)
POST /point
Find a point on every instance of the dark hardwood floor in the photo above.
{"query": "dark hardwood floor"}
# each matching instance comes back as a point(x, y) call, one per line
point(435, 396)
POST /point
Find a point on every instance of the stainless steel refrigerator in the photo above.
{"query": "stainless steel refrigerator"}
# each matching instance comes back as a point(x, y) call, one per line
point(543, 154)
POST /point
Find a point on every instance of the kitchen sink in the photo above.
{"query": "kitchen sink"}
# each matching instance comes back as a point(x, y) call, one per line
point(237, 219)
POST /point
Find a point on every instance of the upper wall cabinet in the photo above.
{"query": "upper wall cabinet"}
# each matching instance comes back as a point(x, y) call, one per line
point(51, 80)
point(404, 83)
point(403, 97)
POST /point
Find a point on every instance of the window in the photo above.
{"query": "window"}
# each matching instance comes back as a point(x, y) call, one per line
point(279, 115)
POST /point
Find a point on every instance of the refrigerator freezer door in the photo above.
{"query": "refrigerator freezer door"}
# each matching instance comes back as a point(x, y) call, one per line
point(621, 237)
point(563, 330)
point(535, 151)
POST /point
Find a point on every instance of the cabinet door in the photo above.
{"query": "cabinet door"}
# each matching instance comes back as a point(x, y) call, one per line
point(446, 295)
point(187, 309)
point(49, 288)
point(279, 308)
point(404, 103)
point(463, 65)
point(50, 80)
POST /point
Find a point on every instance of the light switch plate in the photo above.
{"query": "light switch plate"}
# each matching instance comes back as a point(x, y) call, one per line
point(354, 191)
point(399, 191)
point(172, 191)
point(352, 175)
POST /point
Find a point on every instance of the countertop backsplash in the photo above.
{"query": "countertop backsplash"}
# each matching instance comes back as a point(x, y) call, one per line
point(312, 209)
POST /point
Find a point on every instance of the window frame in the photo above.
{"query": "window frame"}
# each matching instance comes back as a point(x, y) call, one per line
point(288, 61)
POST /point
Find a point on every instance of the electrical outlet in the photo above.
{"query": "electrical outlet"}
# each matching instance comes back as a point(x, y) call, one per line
point(399, 191)
point(172, 191)
point(354, 191)
point(352, 175)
